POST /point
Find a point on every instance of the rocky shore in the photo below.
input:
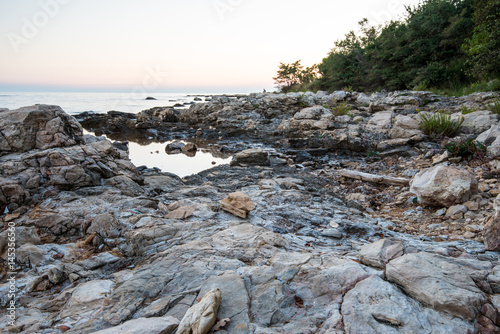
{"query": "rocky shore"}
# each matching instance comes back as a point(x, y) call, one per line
point(323, 223)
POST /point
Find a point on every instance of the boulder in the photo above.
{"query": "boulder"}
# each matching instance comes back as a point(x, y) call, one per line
point(238, 204)
point(158, 114)
point(492, 229)
point(200, 318)
point(163, 325)
point(39, 126)
point(380, 122)
point(24, 236)
point(443, 283)
point(253, 156)
point(478, 121)
point(444, 186)
point(105, 225)
point(376, 306)
point(378, 254)
point(405, 127)
point(189, 147)
point(491, 138)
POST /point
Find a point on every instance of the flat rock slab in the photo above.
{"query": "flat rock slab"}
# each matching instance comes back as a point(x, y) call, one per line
point(376, 306)
point(378, 254)
point(164, 325)
point(445, 284)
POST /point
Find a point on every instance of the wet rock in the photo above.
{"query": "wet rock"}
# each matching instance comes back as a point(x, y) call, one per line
point(443, 283)
point(189, 147)
point(444, 186)
point(163, 325)
point(380, 253)
point(174, 147)
point(200, 318)
point(238, 204)
point(376, 306)
point(492, 229)
point(254, 156)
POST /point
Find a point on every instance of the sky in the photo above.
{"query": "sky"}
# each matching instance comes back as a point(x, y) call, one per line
point(171, 45)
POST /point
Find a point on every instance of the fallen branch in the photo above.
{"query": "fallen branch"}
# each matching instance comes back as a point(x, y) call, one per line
point(372, 178)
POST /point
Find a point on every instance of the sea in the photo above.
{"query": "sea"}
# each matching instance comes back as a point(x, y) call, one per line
point(75, 103)
point(150, 155)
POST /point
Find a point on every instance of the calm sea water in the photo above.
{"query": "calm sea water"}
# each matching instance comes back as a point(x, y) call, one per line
point(74, 103)
point(151, 155)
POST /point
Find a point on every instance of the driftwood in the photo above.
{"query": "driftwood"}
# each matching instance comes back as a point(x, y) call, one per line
point(372, 178)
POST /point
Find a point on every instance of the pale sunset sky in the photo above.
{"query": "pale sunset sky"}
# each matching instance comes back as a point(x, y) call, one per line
point(171, 45)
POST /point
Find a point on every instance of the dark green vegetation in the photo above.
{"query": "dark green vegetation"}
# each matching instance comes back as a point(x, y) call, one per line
point(468, 149)
point(439, 124)
point(451, 46)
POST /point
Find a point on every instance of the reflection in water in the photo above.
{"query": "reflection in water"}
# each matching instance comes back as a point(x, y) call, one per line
point(153, 155)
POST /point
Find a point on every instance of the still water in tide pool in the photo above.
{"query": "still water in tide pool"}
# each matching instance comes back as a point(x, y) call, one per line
point(154, 155)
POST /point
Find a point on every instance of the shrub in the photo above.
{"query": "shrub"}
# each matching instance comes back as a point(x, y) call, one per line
point(341, 109)
point(495, 107)
point(439, 124)
point(466, 110)
point(469, 149)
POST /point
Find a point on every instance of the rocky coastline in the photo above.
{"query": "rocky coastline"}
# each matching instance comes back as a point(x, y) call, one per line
point(322, 223)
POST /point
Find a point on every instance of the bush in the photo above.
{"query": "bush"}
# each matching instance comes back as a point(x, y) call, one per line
point(495, 107)
point(469, 149)
point(466, 110)
point(341, 109)
point(439, 124)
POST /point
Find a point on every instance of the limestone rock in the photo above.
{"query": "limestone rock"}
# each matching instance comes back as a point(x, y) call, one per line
point(238, 204)
point(235, 301)
point(182, 212)
point(405, 127)
point(38, 126)
point(445, 284)
point(253, 156)
point(378, 254)
point(163, 325)
point(478, 121)
point(200, 318)
point(491, 138)
point(380, 122)
point(492, 229)
point(376, 306)
point(444, 186)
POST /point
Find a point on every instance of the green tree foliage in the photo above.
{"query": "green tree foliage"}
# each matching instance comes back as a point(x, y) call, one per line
point(440, 43)
point(292, 76)
point(484, 45)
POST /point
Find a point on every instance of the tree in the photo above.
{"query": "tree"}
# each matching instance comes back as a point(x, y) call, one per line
point(289, 76)
point(484, 45)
